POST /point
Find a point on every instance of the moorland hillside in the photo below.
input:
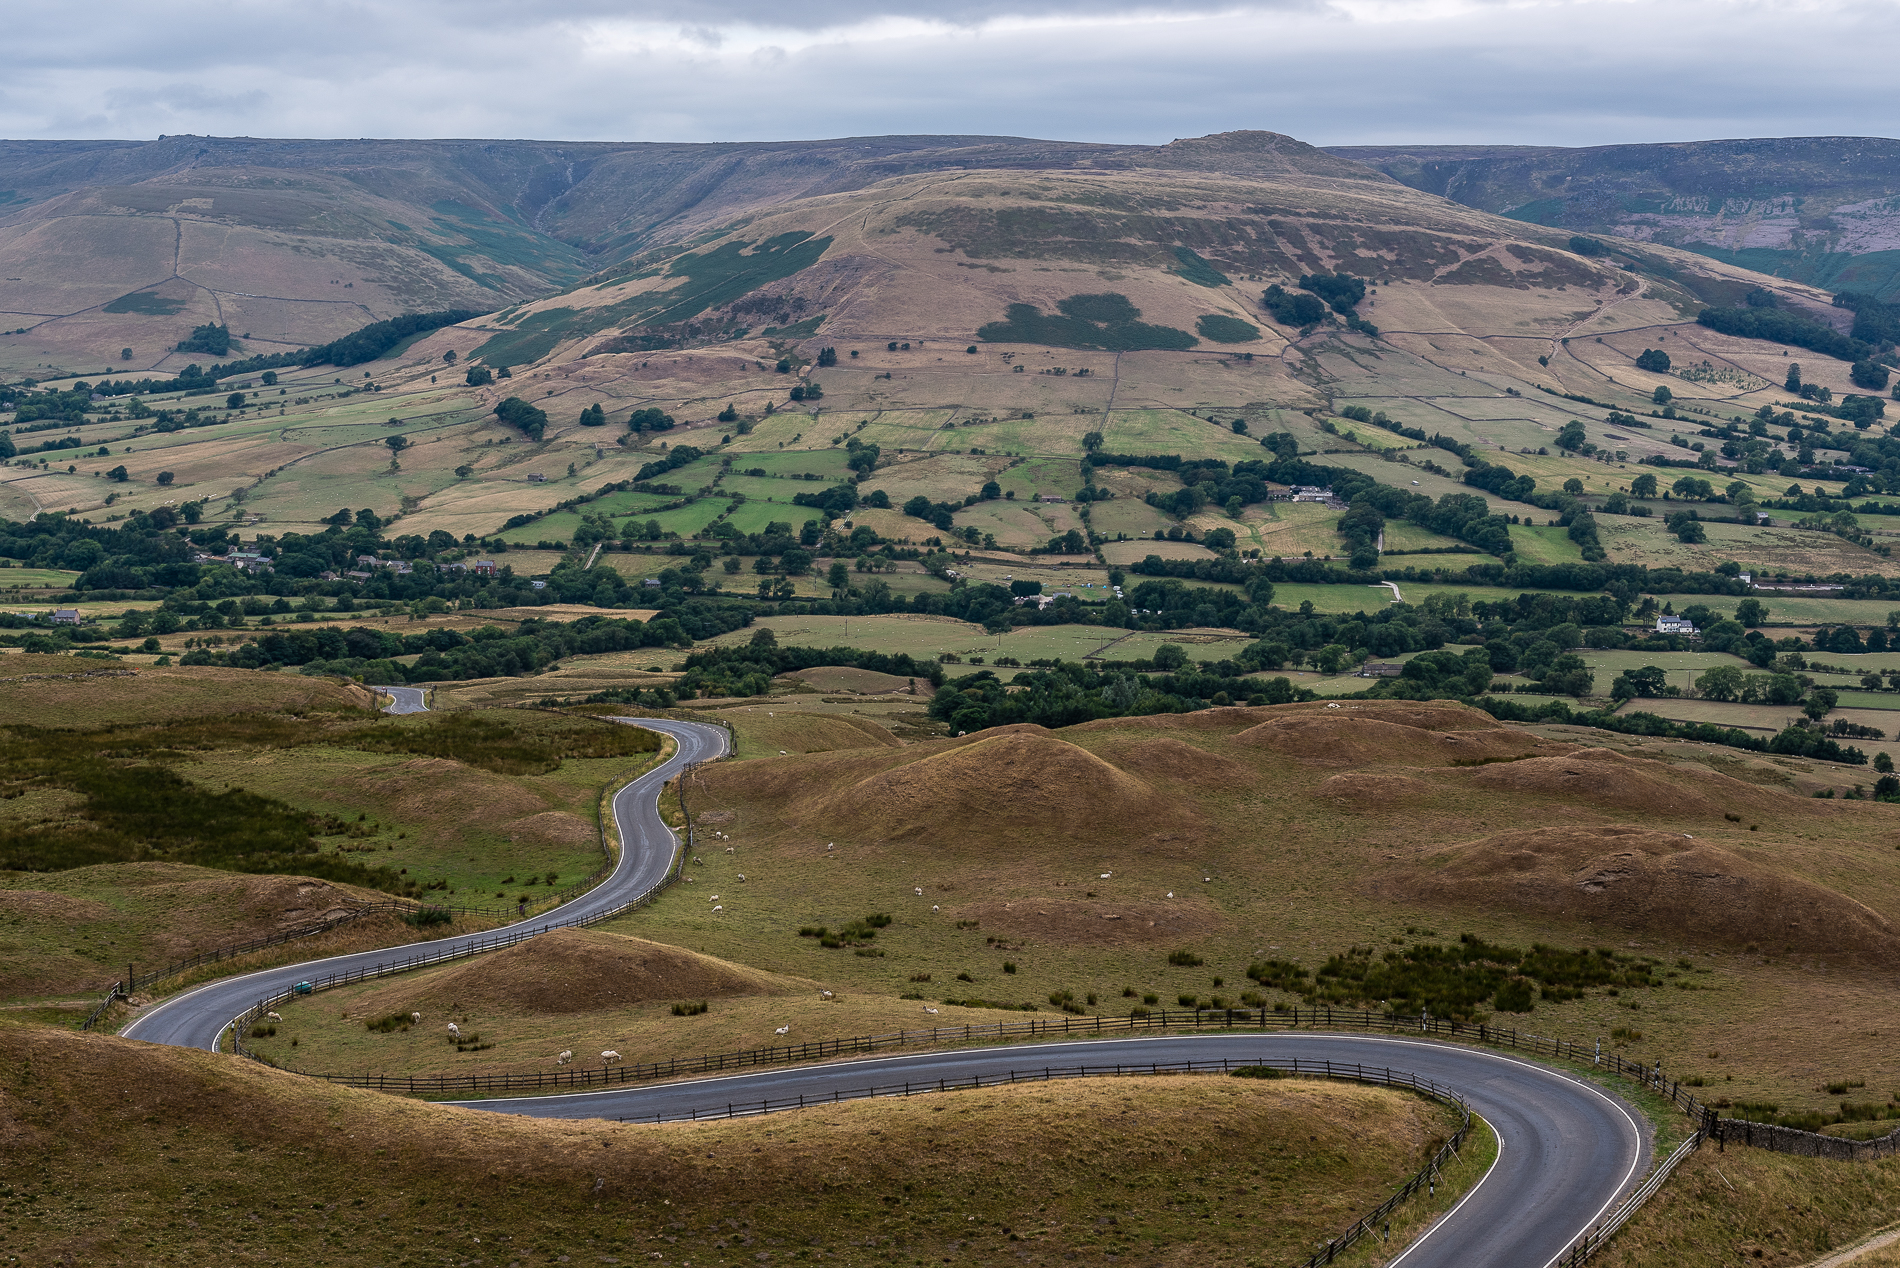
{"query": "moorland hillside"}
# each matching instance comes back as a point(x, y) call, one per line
point(1375, 803)
point(293, 242)
point(1814, 209)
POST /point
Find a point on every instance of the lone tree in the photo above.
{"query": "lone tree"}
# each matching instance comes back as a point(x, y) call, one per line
point(1654, 360)
point(396, 443)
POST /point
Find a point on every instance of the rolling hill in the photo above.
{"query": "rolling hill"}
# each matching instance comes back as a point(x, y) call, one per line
point(1819, 210)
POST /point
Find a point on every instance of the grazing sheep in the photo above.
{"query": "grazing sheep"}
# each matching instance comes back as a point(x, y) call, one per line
point(565, 1057)
point(824, 994)
point(274, 1016)
point(455, 1031)
point(918, 892)
point(935, 910)
point(698, 862)
point(415, 1019)
point(742, 876)
point(721, 907)
point(929, 1009)
point(728, 849)
point(782, 1029)
point(1170, 893)
point(712, 898)
point(1106, 875)
point(609, 1057)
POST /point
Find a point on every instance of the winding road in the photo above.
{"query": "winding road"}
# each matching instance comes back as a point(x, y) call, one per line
point(1567, 1150)
point(197, 1018)
point(403, 699)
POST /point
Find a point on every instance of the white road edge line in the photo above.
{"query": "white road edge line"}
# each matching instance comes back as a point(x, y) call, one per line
point(1445, 1219)
point(217, 983)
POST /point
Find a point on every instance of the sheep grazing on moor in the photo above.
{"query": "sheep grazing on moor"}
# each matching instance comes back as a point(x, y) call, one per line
point(455, 1031)
point(783, 1029)
point(918, 892)
point(274, 1016)
point(935, 909)
point(742, 876)
point(609, 1057)
point(565, 1057)
point(415, 1019)
point(719, 907)
point(930, 1010)
point(824, 994)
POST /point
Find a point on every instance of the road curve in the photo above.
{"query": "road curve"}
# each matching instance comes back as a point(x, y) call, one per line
point(1568, 1149)
point(197, 1018)
point(403, 699)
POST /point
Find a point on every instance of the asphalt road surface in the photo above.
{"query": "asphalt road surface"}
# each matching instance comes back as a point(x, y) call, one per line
point(407, 699)
point(1568, 1150)
point(197, 1018)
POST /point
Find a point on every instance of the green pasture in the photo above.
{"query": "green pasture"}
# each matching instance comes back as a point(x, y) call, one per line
point(1544, 545)
point(17, 578)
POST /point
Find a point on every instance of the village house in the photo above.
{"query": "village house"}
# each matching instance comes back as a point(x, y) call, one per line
point(1675, 625)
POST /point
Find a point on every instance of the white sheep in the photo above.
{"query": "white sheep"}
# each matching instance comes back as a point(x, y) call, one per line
point(565, 1057)
point(742, 876)
point(934, 910)
point(1170, 893)
point(274, 1016)
point(720, 907)
point(455, 1031)
point(782, 1029)
point(728, 849)
point(930, 1010)
point(918, 892)
point(824, 994)
point(712, 898)
point(415, 1019)
point(1106, 875)
point(609, 1057)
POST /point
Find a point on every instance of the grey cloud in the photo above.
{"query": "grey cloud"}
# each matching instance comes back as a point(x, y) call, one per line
point(1580, 73)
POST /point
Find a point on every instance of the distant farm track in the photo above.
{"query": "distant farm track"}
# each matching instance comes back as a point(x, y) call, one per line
point(1567, 1149)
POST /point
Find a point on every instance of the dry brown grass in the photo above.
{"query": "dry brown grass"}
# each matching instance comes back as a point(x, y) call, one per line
point(573, 971)
point(76, 930)
point(1641, 878)
point(153, 695)
point(195, 1155)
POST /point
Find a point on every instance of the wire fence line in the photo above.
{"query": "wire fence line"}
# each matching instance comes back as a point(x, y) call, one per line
point(1606, 1228)
point(1649, 1076)
point(1426, 1177)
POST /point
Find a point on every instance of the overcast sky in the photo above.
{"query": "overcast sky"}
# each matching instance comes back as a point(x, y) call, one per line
point(1334, 72)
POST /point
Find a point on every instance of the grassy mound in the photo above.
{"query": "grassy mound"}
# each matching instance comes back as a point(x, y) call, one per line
point(1608, 778)
point(198, 1155)
point(574, 971)
point(863, 682)
point(76, 930)
point(1024, 768)
point(1164, 757)
point(768, 732)
point(1637, 878)
point(1400, 737)
point(113, 694)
